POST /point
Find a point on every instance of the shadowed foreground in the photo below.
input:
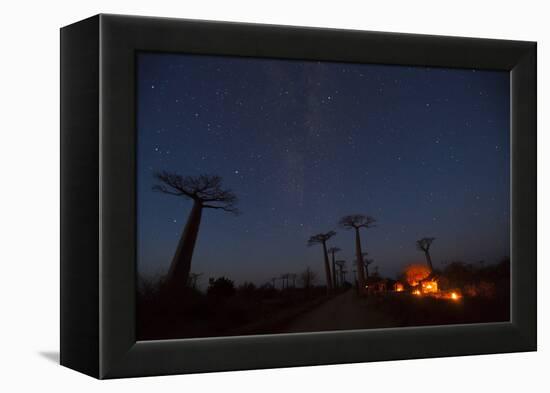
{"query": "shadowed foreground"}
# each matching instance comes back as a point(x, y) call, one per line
point(344, 312)
point(460, 294)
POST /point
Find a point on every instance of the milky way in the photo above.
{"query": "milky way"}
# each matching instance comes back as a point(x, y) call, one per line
point(302, 143)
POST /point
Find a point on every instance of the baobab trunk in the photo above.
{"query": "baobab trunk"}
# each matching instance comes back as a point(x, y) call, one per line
point(178, 274)
point(334, 271)
point(327, 269)
point(360, 271)
point(429, 260)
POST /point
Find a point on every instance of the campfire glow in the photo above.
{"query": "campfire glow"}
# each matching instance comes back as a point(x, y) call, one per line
point(429, 286)
point(416, 273)
point(418, 277)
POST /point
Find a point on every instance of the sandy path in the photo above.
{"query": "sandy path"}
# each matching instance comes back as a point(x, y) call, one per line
point(344, 312)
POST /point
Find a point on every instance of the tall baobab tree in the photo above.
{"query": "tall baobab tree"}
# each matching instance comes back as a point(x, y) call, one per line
point(332, 251)
point(206, 192)
point(341, 265)
point(308, 277)
point(322, 238)
point(424, 245)
point(343, 276)
point(284, 278)
point(376, 272)
point(293, 278)
point(367, 263)
point(356, 222)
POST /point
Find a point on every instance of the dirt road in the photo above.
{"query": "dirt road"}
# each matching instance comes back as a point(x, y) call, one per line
point(344, 312)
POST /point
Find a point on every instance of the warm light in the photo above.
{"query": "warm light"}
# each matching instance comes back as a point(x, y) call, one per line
point(454, 296)
point(417, 292)
point(429, 286)
point(398, 287)
point(416, 273)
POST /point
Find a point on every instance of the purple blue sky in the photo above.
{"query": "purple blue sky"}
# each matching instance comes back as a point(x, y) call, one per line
point(425, 151)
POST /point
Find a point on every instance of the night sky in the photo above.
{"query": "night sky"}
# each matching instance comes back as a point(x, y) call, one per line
point(425, 151)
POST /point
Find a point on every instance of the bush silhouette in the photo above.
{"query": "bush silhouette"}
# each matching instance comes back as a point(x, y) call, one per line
point(220, 287)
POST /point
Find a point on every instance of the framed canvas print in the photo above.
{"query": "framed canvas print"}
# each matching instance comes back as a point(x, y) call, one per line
point(297, 196)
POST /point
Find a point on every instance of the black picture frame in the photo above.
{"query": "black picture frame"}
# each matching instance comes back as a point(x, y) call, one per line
point(98, 207)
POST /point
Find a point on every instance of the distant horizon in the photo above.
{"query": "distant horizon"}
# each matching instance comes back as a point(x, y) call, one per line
point(426, 151)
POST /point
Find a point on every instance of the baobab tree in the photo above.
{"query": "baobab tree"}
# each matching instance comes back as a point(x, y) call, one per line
point(322, 238)
point(308, 277)
point(341, 270)
point(293, 278)
point(356, 222)
point(206, 192)
point(376, 272)
point(333, 251)
point(343, 277)
point(284, 278)
point(367, 263)
point(424, 245)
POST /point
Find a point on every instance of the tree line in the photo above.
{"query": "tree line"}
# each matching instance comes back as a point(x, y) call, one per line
point(207, 193)
point(356, 222)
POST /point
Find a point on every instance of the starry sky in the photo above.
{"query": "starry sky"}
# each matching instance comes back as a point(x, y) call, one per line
point(426, 151)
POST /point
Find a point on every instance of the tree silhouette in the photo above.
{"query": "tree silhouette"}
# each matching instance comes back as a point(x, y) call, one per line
point(356, 222)
point(341, 264)
point(284, 278)
point(293, 278)
point(333, 251)
point(424, 244)
point(206, 192)
point(367, 263)
point(322, 238)
point(308, 277)
point(220, 287)
point(376, 273)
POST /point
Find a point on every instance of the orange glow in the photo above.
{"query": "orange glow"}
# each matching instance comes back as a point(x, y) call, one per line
point(417, 292)
point(416, 273)
point(398, 287)
point(453, 294)
point(429, 286)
